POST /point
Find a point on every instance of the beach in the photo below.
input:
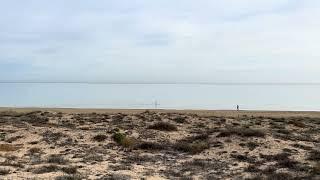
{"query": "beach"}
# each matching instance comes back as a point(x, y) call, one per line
point(62, 143)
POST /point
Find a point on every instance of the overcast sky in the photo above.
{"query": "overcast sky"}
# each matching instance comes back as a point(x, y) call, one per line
point(160, 41)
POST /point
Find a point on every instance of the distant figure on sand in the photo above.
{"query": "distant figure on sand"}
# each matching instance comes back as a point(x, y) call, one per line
point(238, 107)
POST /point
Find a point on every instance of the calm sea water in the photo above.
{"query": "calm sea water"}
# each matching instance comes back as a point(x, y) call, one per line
point(170, 96)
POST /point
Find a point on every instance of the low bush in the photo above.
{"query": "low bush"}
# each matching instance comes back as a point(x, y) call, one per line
point(121, 167)
point(192, 148)
point(151, 146)
point(100, 138)
point(118, 137)
point(202, 165)
point(117, 177)
point(275, 157)
point(278, 176)
point(314, 155)
point(70, 177)
point(316, 169)
point(11, 161)
point(243, 132)
point(34, 150)
point(4, 172)
point(287, 163)
point(243, 158)
point(124, 141)
point(199, 137)
point(69, 169)
point(46, 169)
point(52, 137)
point(252, 145)
point(56, 159)
point(163, 126)
point(297, 123)
point(301, 146)
point(139, 159)
point(2, 136)
point(93, 157)
point(252, 169)
point(180, 119)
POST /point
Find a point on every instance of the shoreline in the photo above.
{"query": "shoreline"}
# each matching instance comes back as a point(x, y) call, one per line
point(230, 113)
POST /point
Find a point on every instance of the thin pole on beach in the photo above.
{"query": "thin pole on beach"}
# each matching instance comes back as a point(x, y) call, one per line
point(156, 104)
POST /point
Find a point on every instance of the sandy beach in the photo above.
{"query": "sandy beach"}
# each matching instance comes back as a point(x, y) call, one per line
point(158, 144)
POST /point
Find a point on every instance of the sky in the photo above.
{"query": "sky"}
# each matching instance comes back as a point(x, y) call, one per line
point(232, 41)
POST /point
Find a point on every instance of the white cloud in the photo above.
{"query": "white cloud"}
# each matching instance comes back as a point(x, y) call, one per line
point(185, 40)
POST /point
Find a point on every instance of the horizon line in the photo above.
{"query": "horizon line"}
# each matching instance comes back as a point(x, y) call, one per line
point(186, 83)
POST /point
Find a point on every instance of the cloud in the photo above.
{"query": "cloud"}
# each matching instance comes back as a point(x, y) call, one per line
point(139, 40)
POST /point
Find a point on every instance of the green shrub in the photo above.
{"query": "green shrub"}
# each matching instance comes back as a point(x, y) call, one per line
point(124, 141)
point(118, 137)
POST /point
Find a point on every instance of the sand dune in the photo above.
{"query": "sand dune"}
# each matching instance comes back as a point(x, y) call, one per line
point(158, 144)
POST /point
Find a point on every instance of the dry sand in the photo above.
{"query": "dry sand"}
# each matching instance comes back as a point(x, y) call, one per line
point(158, 144)
point(198, 112)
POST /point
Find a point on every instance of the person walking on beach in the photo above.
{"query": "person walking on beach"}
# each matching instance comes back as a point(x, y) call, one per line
point(238, 107)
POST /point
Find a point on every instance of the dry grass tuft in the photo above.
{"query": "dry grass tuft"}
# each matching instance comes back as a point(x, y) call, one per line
point(243, 132)
point(8, 147)
point(35, 150)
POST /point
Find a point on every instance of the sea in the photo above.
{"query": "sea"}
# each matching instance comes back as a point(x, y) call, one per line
point(286, 97)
